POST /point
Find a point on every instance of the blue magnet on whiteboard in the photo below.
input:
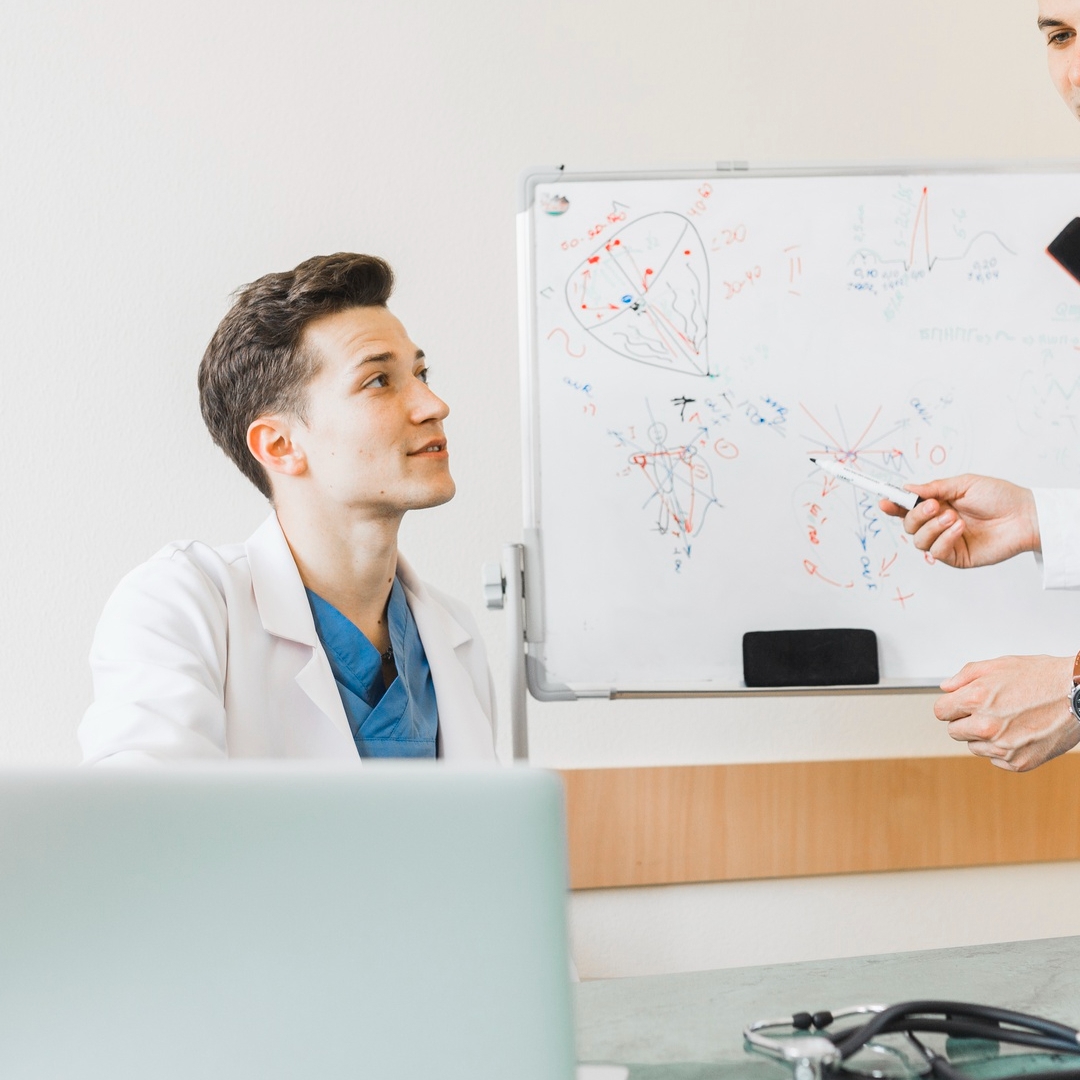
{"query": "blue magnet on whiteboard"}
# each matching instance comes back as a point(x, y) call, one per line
point(627, 299)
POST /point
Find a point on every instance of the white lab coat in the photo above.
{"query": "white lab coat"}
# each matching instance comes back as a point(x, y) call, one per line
point(1059, 529)
point(211, 653)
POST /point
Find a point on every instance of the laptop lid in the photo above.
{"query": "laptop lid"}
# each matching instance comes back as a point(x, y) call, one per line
point(394, 921)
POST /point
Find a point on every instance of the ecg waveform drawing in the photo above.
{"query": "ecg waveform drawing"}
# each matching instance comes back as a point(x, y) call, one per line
point(919, 256)
point(645, 294)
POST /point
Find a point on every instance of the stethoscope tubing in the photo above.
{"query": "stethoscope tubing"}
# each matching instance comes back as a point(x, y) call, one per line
point(960, 1029)
point(905, 1015)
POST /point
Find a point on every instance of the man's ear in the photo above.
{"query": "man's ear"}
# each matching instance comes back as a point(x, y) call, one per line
point(270, 439)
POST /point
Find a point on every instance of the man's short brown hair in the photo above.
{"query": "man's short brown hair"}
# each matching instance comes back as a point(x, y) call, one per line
point(256, 362)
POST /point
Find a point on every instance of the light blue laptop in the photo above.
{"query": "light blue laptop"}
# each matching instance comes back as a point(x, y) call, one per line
point(390, 921)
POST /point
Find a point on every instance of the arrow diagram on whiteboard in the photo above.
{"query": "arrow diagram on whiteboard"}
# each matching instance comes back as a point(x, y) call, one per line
point(645, 294)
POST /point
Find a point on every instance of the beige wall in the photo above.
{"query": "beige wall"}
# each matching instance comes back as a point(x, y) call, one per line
point(153, 158)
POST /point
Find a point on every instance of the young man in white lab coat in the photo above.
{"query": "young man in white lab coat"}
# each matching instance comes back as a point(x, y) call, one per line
point(1015, 710)
point(314, 638)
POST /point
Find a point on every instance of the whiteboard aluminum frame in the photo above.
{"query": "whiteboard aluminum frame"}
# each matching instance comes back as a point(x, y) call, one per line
point(537, 681)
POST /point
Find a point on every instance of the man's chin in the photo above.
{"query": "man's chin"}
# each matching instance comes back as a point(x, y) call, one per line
point(436, 497)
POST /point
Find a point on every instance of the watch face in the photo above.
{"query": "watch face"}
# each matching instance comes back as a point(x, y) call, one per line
point(1074, 701)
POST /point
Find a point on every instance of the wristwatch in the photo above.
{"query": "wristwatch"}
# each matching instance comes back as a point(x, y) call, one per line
point(1074, 693)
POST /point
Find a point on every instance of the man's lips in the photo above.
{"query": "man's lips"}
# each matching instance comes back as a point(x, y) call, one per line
point(435, 446)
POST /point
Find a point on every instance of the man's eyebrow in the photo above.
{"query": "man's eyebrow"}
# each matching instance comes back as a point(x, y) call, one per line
point(375, 358)
point(383, 358)
point(1046, 23)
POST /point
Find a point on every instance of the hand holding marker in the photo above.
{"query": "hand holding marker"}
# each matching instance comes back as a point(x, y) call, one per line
point(893, 492)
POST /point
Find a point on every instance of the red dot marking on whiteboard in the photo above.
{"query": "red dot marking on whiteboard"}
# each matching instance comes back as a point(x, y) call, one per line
point(648, 271)
point(686, 252)
point(584, 307)
point(617, 242)
point(594, 259)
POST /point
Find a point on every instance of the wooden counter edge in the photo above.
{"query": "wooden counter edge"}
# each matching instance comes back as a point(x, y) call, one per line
point(695, 823)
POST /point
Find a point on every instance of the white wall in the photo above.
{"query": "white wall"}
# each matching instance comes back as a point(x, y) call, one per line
point(153, 158)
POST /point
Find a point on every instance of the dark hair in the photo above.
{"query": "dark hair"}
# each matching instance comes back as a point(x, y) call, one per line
point(256, 362)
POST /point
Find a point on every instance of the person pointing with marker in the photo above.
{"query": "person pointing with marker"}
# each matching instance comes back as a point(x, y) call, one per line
point(1018, 711)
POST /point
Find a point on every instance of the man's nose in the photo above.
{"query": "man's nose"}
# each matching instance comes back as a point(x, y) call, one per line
point(426, 404)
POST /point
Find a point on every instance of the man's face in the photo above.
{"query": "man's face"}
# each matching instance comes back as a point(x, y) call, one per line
point(372, 437)
point(1059, 21)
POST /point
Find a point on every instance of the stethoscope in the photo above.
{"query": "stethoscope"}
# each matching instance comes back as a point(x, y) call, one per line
point(813, 1052)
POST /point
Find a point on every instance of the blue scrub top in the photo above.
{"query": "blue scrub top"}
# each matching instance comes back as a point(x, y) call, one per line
point(398, 721)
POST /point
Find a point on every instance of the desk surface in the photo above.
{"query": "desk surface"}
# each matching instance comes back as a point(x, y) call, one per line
point(689, 1026)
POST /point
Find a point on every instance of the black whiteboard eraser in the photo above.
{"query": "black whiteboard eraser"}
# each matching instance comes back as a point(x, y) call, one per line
point(810, 658)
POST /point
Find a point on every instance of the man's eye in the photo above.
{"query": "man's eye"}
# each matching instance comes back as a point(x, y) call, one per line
point(1062, 37)
point(376, 381)
point(422, 375)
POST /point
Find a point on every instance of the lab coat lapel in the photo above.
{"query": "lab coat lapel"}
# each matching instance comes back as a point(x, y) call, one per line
point(464, 729)
point(285, 613)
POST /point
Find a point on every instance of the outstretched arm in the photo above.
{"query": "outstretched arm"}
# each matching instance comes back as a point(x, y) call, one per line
point(969, 520)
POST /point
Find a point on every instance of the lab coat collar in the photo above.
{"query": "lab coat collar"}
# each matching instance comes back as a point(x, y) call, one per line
point(283, 603)
point(417, 592)
point(464, 729)
point(285, 612)
point(279, 592)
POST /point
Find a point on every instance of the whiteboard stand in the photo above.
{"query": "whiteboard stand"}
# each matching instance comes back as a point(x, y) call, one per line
point(504, 588)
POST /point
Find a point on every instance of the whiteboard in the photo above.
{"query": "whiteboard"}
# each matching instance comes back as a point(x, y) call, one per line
point(690, 339)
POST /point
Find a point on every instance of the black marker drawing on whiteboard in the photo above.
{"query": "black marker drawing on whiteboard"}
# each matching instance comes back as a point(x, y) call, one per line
point(680, 403)
point(644, 294)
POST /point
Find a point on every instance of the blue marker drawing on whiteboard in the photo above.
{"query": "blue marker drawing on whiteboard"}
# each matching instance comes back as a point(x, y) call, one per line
point(907, 499)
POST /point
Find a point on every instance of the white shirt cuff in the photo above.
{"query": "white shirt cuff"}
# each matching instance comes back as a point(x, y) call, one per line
point(1059, 531)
